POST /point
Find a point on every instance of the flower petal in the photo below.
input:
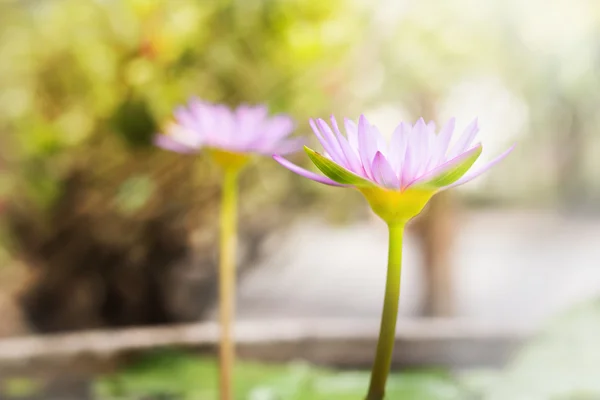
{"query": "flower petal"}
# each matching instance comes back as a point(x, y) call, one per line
point(185, 118)
point(420, 142)
point(225, 126)
point(336, 172)
point(475, 173)
point(352, 133)
point(325, 141)
point(464, 141)
point(338, 155)
point(266, 137)
point(443, 140)
point(351, 157)
point(305, 173)
point(366, 145)
point(383, 172)
point(168, 143)
point(450, 171)
point(205, 118)
point(248, 119)
point(285, 147)
point(277, 128)
point(378, 139)
point(431, 139)
point(398, 146)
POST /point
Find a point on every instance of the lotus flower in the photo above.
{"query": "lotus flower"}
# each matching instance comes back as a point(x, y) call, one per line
point(247, 129)
point(416, 164)
point(398, 180)
point(231, 136)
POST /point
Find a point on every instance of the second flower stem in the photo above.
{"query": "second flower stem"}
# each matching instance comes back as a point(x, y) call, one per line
point(227, 282)
point(387, 332)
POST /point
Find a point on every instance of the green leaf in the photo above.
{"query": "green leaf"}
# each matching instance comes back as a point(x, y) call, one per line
point(334, 171)
point(455, 171)
point(187, 376)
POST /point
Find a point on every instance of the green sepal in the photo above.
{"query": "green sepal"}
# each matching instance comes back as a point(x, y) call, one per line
point(335, 172)
point(454, 172)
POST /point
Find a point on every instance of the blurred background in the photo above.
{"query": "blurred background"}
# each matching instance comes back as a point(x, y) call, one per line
point(99, 230)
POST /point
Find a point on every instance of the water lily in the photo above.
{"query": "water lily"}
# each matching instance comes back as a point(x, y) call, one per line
point(398, 179)
point(231, 137)
point(245, 130)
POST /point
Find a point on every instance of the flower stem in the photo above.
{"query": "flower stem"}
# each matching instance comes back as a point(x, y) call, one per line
point(227, 282)
point(387, 332)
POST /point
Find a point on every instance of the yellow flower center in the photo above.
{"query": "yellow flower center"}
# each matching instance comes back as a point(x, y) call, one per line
point(229, 159)
point(394, 206)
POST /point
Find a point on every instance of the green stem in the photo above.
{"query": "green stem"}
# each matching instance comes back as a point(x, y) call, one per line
point(227, 282)
point(387, 332)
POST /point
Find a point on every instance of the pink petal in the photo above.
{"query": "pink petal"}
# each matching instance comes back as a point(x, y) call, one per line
point(398, 144)
point(366, 145)
point(272, 131)
point(325, 141)
point(465, 140)
point(383, 172)
point(351, 156)
point(338, 155)
point(305, 173)
point(419, 147)
point(442, 142)
point(185, 118)
point(168, 143)
point(475, 173)
point(205, 117)
point(277, 128)
point(380, 142)
point(352, 133)
point(430, 146)
point(255, 114)
point(186, 122)
point(224, 125)
point(249, 119)
point(407, 167)
point(196, 108)
point(285, 147)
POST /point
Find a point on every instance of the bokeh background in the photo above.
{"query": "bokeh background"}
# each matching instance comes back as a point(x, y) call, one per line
point(99, 230)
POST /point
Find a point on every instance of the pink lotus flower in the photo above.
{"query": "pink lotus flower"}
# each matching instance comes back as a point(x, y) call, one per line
point(416, 157)
point(247, 129)
point(231, 137)
point(397, 179)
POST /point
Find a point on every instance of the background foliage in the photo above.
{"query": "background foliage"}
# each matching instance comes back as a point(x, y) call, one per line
point(91, 203)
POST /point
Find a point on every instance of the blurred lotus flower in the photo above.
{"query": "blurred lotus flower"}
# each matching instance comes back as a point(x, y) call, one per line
point(398, 180)
point(247, 129)
point(415, 165)
point(231, 136)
